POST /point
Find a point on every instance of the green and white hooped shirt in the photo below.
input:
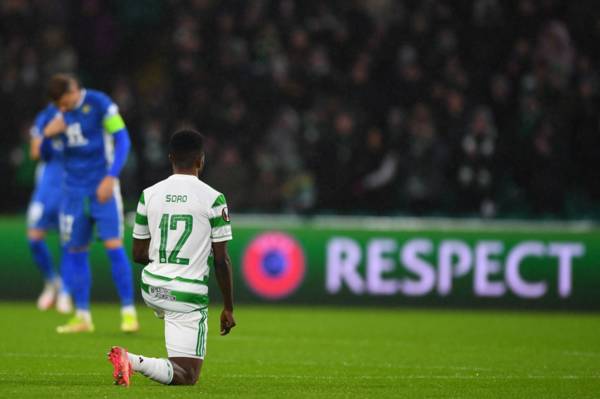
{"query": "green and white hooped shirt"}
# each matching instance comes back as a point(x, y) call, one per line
point(182, 216)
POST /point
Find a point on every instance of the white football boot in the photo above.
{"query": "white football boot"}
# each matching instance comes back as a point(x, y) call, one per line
point(48, 295)
point(64, 304)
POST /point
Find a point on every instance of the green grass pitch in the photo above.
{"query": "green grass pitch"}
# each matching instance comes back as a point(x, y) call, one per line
point(282, 352)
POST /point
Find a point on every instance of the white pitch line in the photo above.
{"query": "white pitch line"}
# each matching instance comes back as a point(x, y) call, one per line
point(584, 354)
point(360, 377)
point(357, 364)
point(362, 343)
point(416, 377)
point(49, 355)
point(55, 374)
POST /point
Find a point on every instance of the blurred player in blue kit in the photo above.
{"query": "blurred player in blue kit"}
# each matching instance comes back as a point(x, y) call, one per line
point(42, 214)
point(96, 144)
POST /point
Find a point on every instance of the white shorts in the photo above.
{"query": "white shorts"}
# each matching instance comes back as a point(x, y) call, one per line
point(185, 333)
point(186, 323)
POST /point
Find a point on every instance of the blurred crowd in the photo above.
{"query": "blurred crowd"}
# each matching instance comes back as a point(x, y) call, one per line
point(429, 107)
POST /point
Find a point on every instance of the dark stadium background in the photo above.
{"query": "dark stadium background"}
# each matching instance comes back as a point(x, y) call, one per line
point(458, 108)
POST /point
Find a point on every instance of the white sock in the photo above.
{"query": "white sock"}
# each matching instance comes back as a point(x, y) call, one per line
point(85, 314)
point(60, 287)
point(129, 309)
point(50, 284)
point(160, 370)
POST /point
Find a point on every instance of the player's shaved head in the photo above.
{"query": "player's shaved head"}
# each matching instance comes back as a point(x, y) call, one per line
point(186, 148)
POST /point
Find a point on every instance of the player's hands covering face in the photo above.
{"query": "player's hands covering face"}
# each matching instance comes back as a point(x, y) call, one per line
point(227, 321)
point(104, 192)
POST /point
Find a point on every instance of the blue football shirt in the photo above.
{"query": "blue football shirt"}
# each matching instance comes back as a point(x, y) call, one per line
point(88, 141)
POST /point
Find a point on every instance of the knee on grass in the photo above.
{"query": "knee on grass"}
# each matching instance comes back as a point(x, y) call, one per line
point(187, 377)
point(185, 374)
point(192, 377)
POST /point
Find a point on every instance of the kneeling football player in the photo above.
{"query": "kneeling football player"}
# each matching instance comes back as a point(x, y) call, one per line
point(181, 223)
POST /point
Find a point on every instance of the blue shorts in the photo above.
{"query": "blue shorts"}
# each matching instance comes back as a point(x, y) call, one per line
point(80, 212)
point(43, 209)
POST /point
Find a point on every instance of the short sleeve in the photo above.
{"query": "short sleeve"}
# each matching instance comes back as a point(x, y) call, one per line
point(220, 224)
point(35, 132)
point(140, 228)
point(41, 120)
point(111, 119)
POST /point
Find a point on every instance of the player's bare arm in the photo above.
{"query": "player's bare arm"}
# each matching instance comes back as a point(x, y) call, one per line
point(55, 127)
point(224, 279)
point(34, 148)
point(141, 251)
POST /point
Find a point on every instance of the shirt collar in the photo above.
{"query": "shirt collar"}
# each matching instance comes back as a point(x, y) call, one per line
point(81, 99)
point(182, 176)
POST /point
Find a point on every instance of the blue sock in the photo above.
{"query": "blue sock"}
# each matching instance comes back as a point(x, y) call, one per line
point(80, 281)
point(66, 271)
point(121, 272)
point(42, 258)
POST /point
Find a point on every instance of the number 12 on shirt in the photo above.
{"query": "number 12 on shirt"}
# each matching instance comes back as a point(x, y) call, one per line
point(170, 222)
